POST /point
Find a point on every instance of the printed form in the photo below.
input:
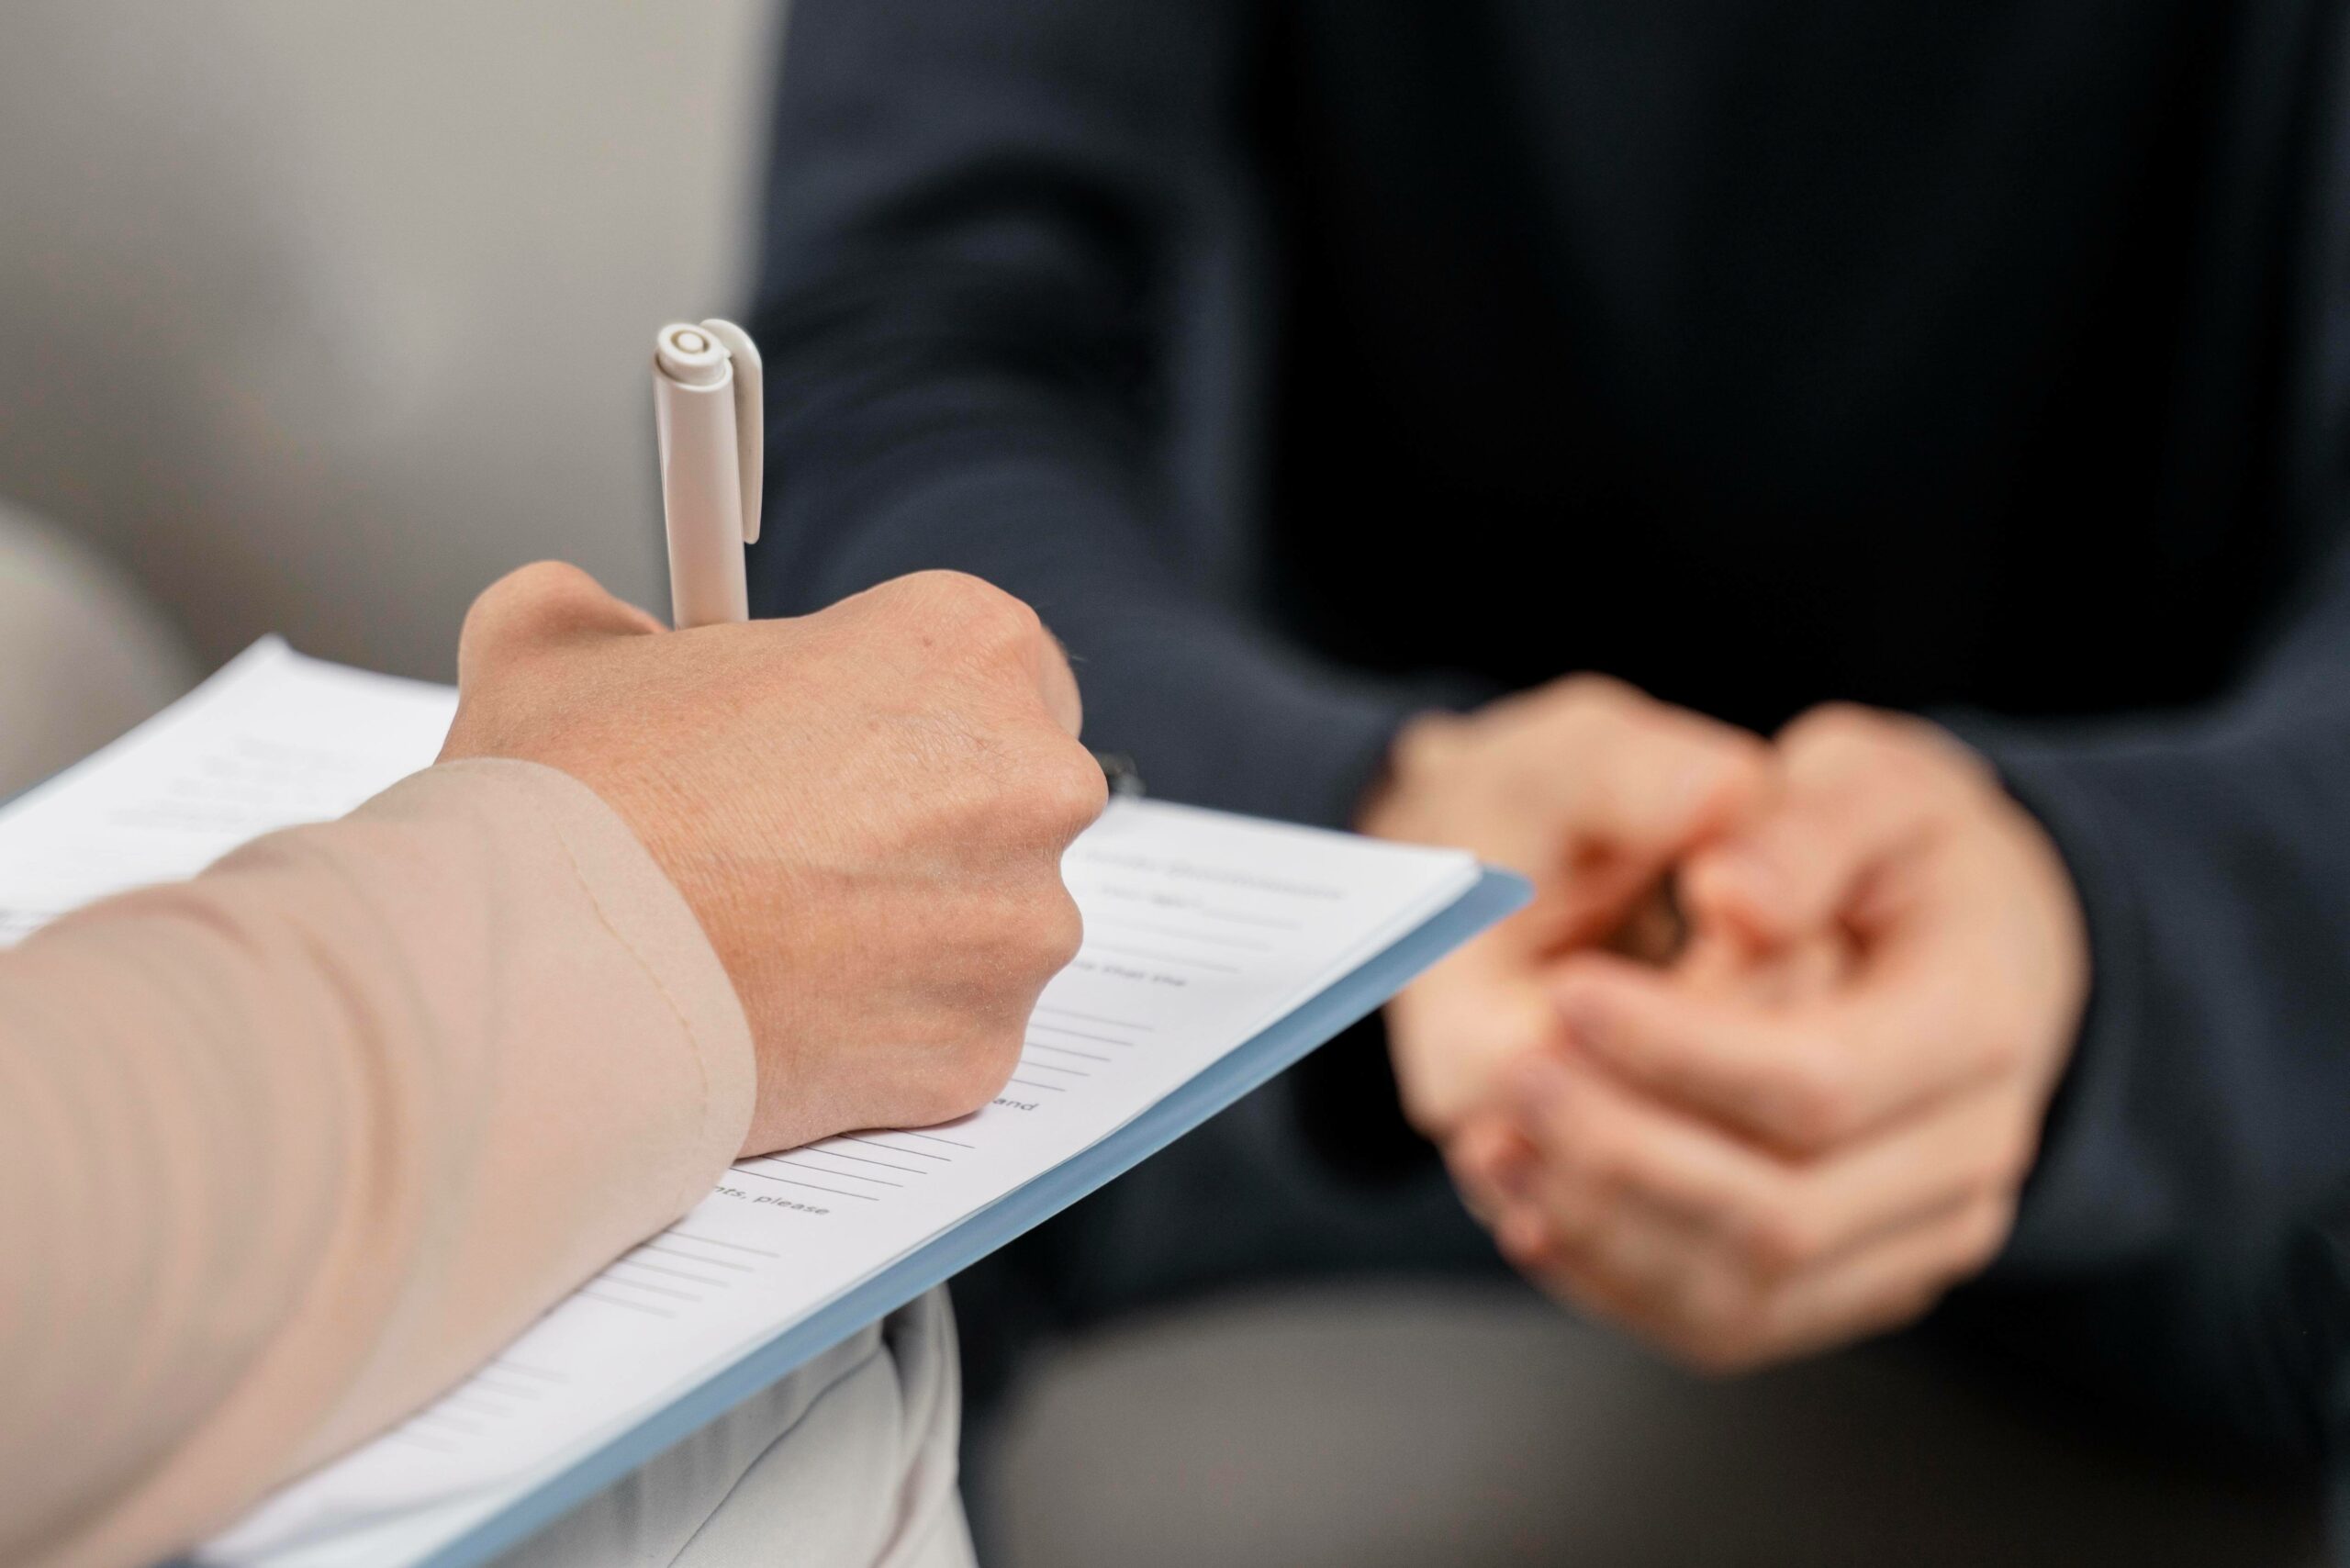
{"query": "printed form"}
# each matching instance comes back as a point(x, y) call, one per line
point(1201, 929)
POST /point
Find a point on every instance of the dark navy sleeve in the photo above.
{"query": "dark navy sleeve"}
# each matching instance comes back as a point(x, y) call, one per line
point(980, 309)
point(2206, 1113)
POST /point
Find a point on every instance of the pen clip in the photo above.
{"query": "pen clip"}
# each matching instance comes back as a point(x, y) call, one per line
point(750, 417)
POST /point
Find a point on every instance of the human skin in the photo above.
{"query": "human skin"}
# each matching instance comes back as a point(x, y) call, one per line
point(1818, 1118)
point(864, 808)
point(1593, 791)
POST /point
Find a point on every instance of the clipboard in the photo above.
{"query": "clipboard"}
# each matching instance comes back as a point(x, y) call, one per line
point(516, 1516)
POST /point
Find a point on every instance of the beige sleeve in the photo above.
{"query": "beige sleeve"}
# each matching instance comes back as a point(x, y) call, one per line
point(288, 1148)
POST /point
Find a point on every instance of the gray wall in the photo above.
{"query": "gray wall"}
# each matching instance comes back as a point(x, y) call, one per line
point(318, 316)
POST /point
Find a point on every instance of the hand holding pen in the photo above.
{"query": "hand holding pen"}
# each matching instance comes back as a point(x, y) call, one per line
point(708, 409)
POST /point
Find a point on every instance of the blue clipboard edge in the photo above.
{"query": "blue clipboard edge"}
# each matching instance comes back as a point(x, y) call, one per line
point(1246, 1067)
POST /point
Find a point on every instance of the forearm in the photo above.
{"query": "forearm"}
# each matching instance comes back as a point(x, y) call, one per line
point(290, 1147)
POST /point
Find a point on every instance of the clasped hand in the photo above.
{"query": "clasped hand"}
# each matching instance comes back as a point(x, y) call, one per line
point(1811, 1116)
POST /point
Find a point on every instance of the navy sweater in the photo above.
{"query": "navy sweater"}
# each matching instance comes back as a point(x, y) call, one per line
point(1310, 362)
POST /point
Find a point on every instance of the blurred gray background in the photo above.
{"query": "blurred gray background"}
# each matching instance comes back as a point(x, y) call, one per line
point(314, 318)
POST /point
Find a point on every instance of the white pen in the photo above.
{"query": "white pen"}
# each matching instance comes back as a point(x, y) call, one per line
point(707, 410)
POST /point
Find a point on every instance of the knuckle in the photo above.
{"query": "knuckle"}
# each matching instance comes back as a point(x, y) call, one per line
point(1976, 776)
point(978, 606)
point(1836, 729)
point(525, 596)
point(1591, 710)
point(1427, 746)
point(1899, 751)
point(1722, 1309)
point(1531, 1246)
point(1593, 690)
point(1061, 930)
point(1815, 1101)
point(1479, 1155)
point(936, 587)
point(1050, 794)
point(940, 1097)
point(977, 1073)
point(1578, 1217)
point(1777, 1241)
point(1012, 623)
point(549, 580)
point(1740, 753)
point(1072, 790)
point(1032, 928)
point(1598, 1164)
point(1931, 752)
point(959, 610)
point(1836, 720)
point(1522, 1238)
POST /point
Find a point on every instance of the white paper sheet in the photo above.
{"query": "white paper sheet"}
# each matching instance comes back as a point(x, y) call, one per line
point(1201, 929)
